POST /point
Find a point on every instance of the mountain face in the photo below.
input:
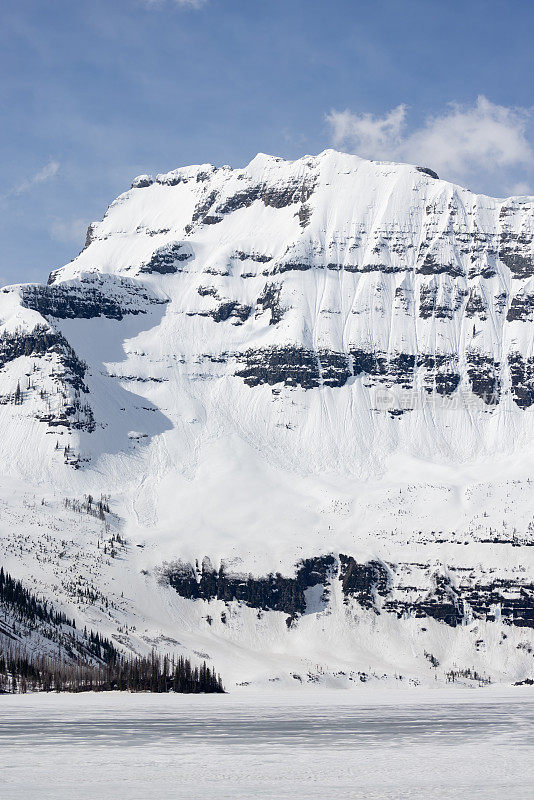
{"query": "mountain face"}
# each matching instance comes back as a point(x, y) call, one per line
point(306, 391)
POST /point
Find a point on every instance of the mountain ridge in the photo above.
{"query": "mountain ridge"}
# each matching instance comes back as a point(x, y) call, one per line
point(270, 366)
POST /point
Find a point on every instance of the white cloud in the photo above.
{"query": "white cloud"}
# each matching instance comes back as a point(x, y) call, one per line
point(67, 231)
point(370, 136)
point(520, 188)
point(457, 143)
point(44, 174)
point(184, 3)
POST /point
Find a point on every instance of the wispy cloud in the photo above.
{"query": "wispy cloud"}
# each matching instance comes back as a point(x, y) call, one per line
point(457, 143)
point(183, 3)
point(520, 188)
point(44, 174)
point(370, 136)
point(69, 230)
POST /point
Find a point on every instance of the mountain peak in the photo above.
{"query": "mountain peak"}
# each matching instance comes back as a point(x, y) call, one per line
point(304, 384)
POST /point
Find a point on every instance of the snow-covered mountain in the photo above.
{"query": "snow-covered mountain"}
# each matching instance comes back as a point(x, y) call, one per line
point(307, 389)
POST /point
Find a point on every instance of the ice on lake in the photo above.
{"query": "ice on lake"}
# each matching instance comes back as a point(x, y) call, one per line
point(466, 744)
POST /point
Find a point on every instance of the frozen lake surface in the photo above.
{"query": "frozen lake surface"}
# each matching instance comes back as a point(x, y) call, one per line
point(325, 744)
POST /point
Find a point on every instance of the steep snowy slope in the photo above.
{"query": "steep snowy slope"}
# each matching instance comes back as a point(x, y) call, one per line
point(322, 369)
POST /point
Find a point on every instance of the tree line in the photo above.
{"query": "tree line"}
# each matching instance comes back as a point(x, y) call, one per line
point(25, 608)
point(84, 661)
point(21, 673)
point(25, 605)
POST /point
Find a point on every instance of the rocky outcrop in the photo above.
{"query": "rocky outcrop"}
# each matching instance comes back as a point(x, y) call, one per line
point(429, 172)
point(259, 258)
point(440, 373)
point(269, 299)
point(438, 303)
point(309, 369)
point(432, 265)
point(43, 343)
point(522, 379)
point(168, 260)
point(274, 592)
point(142, 182)
point(292, 366)
point(229, 309)
point(484, 377)
point(363, 582)
point(521, 308)
point(39, 342)
point(275, 196)
point(65, 302)
point(226, 310)
point(373, 586)
point(88, 298)
point(515, 250)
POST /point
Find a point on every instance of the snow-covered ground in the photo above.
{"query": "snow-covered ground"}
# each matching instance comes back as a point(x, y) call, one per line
point(307, 745)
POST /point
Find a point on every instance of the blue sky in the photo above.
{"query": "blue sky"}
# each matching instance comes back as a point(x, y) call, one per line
point(95, 92)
